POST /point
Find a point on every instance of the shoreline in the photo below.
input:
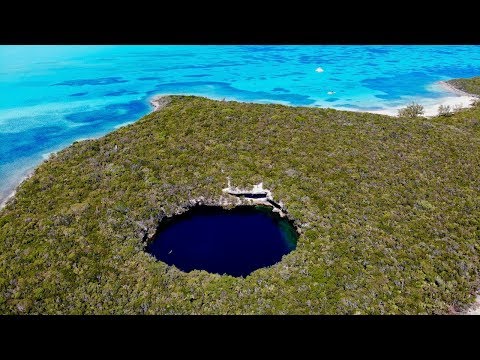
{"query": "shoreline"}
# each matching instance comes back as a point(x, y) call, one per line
point(159, 101)
point(453, 89)
point(28, 174)
point(458, 98)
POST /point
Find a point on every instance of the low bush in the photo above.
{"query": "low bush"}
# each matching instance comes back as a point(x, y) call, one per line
point(411, 111)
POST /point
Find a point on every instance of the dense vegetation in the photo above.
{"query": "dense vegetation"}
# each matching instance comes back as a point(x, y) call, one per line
point(389, 210)
point(471, 85)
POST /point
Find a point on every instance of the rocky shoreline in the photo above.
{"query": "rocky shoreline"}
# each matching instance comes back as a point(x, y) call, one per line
point(227, 201)
point(148, 232)
point(159, 102)
point(452, 88)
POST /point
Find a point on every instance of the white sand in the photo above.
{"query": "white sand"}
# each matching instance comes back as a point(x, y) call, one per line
point(5, 201)
point(159, 101)
point(457, 98)
point(12, 194)
point(123, 124)
point(431, 106)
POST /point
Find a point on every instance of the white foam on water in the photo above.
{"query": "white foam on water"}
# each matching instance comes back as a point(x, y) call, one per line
point(46, 156)
point(124, 124)
point(270, 101)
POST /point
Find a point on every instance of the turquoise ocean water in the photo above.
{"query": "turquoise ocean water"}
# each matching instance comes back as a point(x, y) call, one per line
point(54, 95)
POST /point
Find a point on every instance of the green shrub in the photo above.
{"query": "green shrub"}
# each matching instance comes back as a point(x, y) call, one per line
point(411, 111)
point(457, 107)
point(471, 85)
point(444, 110)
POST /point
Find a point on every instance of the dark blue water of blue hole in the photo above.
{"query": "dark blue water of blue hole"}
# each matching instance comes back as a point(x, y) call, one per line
point(234, 242)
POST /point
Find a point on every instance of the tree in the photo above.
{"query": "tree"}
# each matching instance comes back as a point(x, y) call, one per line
point(411, 111)
point(444, 110)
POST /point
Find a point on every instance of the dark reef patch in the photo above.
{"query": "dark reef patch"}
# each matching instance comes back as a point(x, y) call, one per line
point(79, 94)
point(147, 78)
point(114, 112)
point(121, 92)
point(280, 89)
point(99, 81)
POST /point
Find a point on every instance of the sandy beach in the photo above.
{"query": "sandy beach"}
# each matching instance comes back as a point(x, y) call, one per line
point(459, 99)
point(452, 88)
point(158, 102)
point(14, 191)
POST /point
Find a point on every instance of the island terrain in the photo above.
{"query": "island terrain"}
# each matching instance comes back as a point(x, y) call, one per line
point(387, 210)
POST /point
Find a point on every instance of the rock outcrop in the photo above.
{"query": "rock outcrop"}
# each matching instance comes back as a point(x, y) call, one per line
point(256, 196)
